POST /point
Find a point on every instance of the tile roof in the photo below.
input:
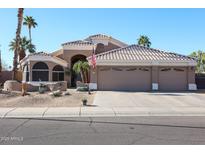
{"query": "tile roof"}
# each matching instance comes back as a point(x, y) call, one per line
point(90, 41)
point(39, 53)
point(140, 53)
point(46, 57)
point(78, 42)
point(99, 36)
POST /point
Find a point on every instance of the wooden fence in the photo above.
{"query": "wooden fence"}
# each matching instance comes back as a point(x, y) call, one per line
point(5, 75)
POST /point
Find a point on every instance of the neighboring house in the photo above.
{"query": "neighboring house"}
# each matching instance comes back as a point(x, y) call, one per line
point(118, 66)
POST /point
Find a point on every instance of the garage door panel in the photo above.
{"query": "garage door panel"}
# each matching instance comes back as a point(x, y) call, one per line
point(172, 79)
point(124, 78)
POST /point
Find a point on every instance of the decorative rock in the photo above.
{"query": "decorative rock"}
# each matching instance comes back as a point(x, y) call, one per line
point(66, 93)
point(57, 93)
point(12, 85)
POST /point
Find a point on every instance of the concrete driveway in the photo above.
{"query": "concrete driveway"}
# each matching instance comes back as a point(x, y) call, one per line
point(152, 103)
point(148, 99)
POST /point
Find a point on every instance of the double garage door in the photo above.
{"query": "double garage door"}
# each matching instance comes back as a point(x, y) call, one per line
point(140, 78)
point(124, 78)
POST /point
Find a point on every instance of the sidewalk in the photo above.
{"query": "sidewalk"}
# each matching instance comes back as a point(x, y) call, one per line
point(91, 111)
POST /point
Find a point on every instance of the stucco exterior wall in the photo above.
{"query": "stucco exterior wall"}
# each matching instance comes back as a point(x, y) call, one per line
point(103, 48)
point(191, 75)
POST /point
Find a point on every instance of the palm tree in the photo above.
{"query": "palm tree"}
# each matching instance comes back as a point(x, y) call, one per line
point(24, 46)
point(82, 67)
point(29, 21)
point(200, 57)
point(144, 41)
point(18, 38)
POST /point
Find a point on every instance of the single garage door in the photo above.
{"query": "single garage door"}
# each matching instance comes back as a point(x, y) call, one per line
point(124, 78)
point(172, 79)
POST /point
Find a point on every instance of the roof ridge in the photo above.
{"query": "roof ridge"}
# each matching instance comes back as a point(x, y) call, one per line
point(99, 35)
point(78, 41)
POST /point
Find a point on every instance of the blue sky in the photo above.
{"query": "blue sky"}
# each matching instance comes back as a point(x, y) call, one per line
point(177, 30)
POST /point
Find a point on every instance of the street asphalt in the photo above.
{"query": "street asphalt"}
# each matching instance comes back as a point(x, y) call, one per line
point(103, 130)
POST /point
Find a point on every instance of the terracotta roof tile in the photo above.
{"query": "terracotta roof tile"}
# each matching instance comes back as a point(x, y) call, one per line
point(78, 42)
point(39, 53)
point(140, 53)
point(99, 36)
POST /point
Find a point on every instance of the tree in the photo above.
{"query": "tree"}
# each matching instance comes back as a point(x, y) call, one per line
point(24, 46)
point(30, 22)
point(144, 41)
point(200, 57)
point(18, 39)
point(82, 67)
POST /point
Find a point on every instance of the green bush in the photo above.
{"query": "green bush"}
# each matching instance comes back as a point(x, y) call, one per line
point(82, 88)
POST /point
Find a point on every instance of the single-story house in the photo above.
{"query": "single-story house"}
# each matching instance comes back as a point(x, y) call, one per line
point(118, 66)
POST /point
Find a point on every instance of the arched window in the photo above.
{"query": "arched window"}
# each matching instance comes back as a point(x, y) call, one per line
point(40, 72)
point(58, 73)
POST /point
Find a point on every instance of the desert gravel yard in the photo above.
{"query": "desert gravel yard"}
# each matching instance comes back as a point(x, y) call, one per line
point(44, 100)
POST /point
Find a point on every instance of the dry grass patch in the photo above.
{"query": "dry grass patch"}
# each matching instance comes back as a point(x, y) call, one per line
point(34, 99)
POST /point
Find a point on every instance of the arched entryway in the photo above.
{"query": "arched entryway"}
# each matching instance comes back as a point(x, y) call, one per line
point(76, 77)
point(40, 72)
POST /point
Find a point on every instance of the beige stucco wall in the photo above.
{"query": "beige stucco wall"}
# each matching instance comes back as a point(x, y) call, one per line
point(154, 74)
point(104, 48)
point(191, 75)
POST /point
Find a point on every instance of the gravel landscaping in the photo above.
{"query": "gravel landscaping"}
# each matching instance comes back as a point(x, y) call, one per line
point(34, 99)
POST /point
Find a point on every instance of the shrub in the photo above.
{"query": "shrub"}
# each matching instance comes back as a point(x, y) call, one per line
point(82, 89)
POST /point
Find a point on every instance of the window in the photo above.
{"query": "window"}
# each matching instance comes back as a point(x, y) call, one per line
point(131, 69)
point(40, 72)
point(116, 69)
point(178, 70)
point(166, 69)
point(144, 69)
point(104, 69)
point(58, 73)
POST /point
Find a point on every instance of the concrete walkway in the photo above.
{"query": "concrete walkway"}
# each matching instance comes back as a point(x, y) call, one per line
point(122, 104)
point(98, 112)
